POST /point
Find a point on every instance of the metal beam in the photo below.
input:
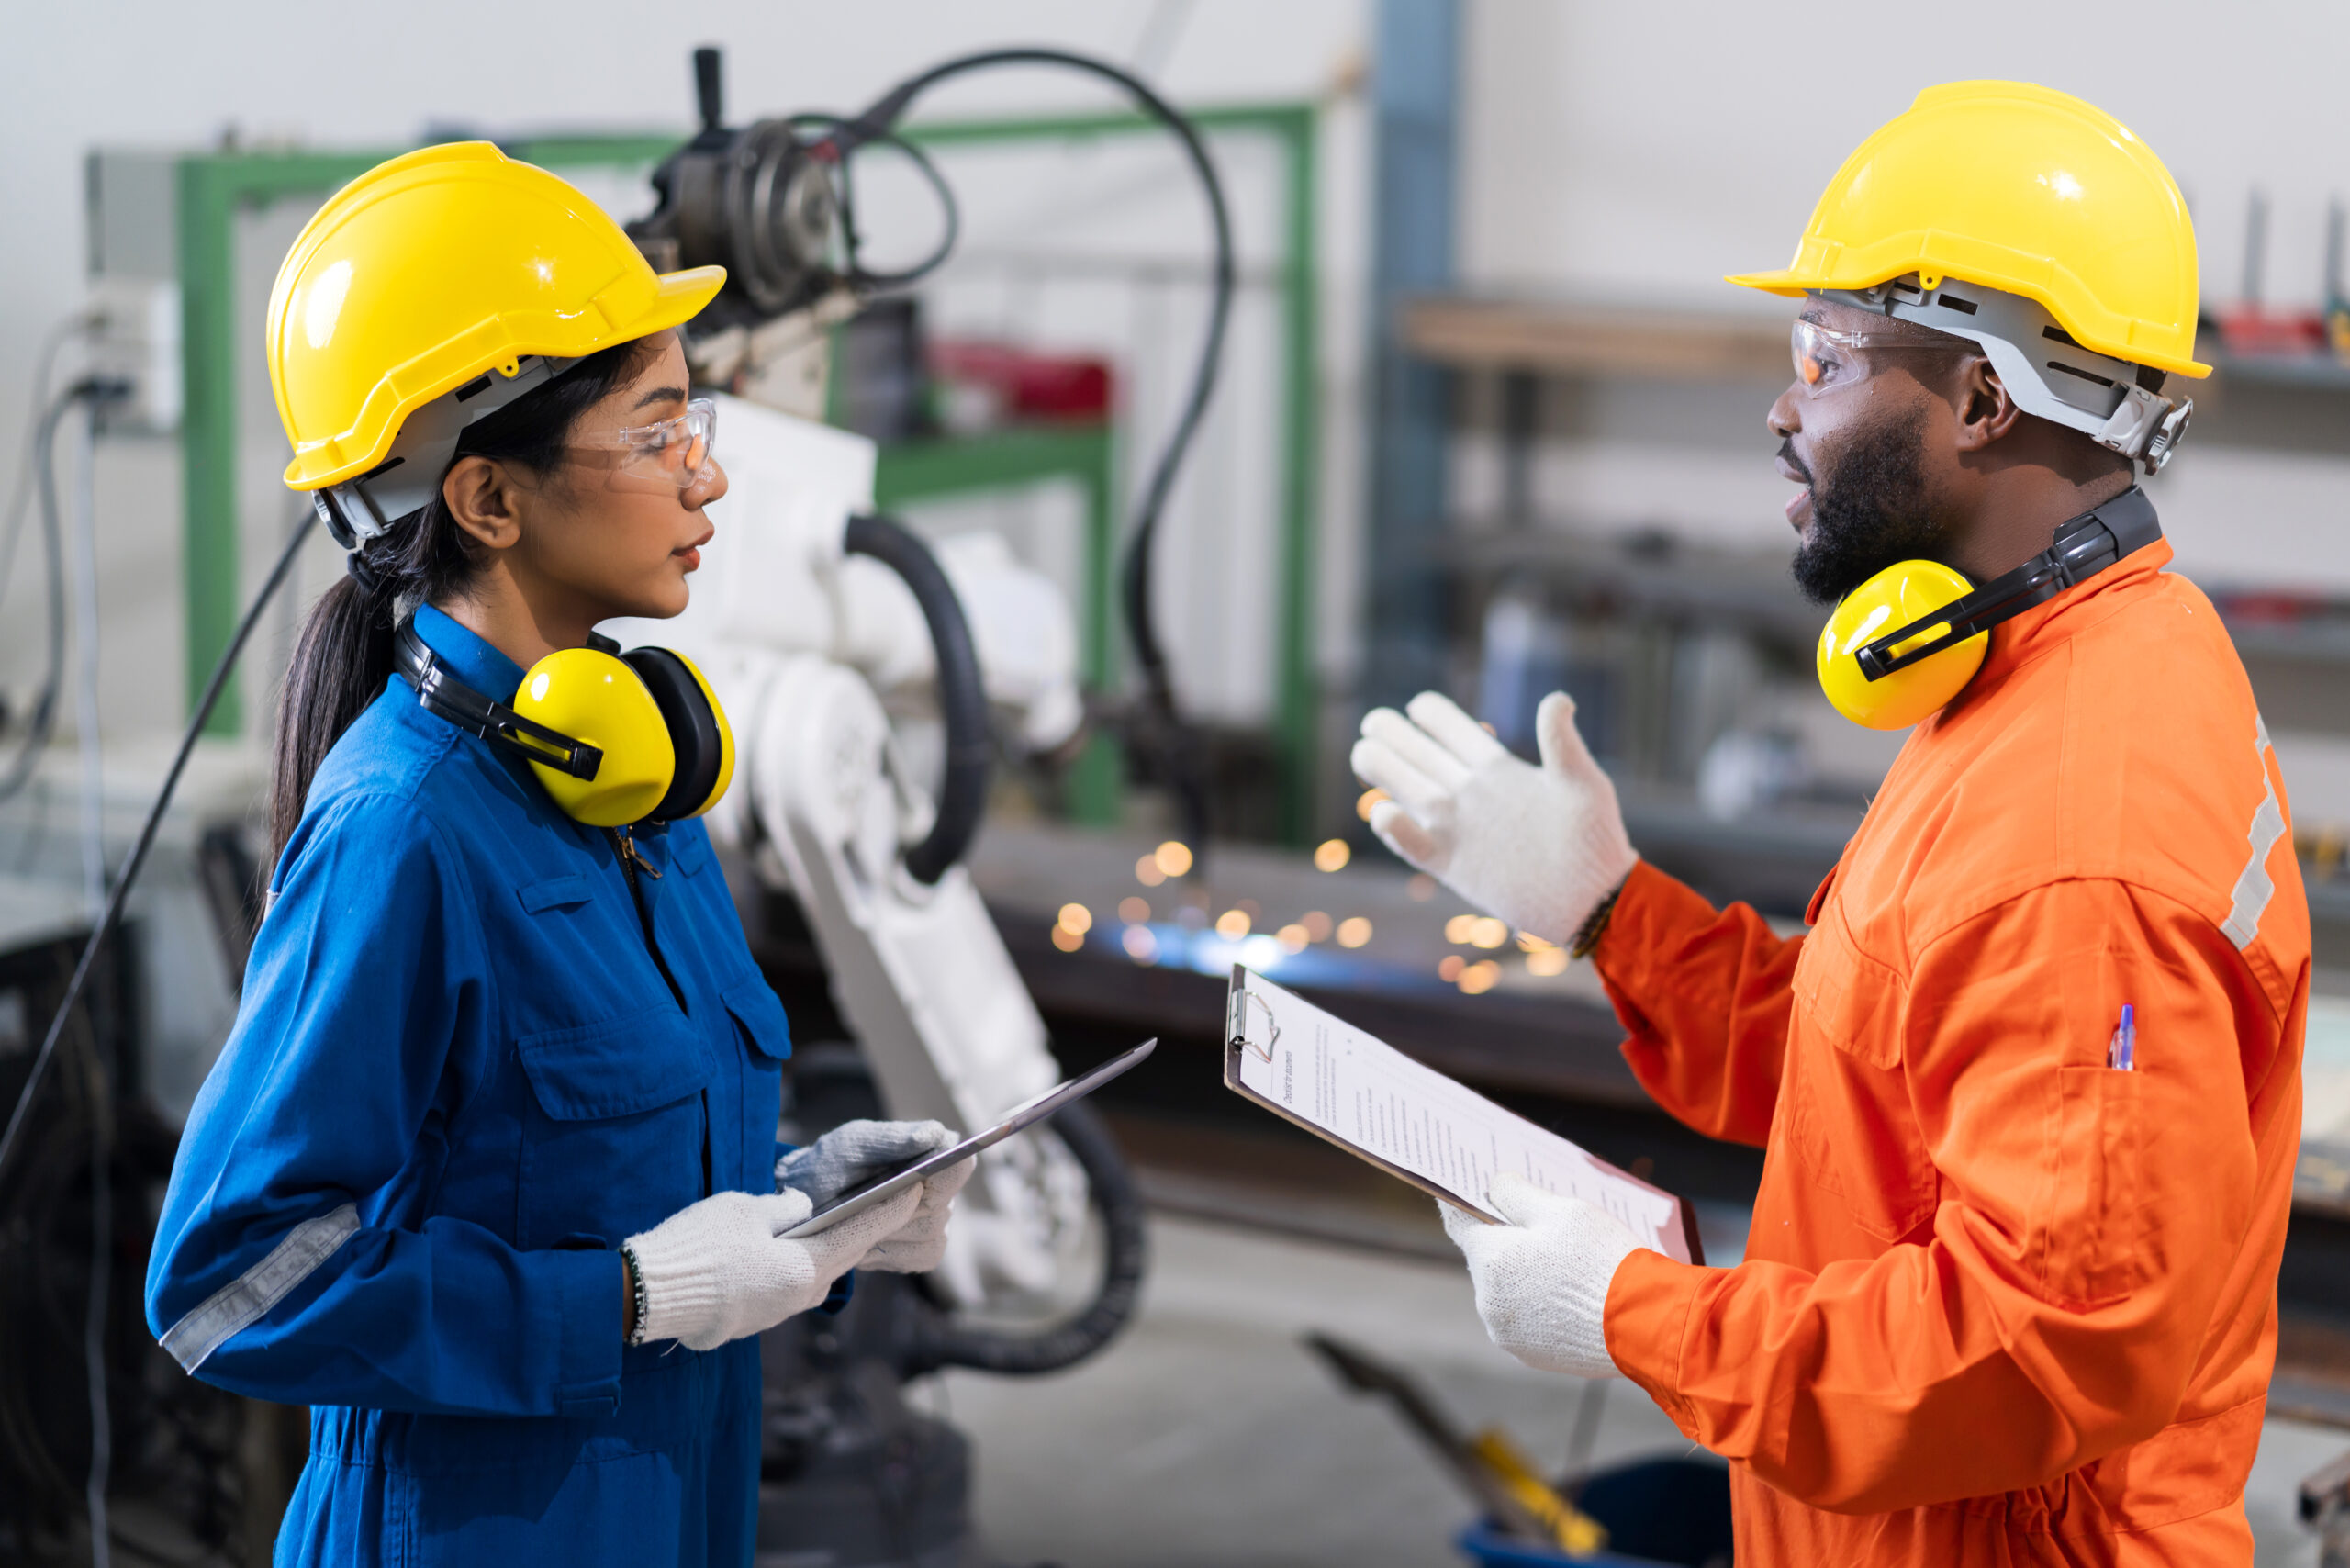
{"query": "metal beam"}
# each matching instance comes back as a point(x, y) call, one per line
point(1415, 110)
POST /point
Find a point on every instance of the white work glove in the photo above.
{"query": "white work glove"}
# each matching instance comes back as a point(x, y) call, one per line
point(1538, 847)
point(1542, 1279)
point(920, 1245)
point(719, 1270)
point(854, 1151)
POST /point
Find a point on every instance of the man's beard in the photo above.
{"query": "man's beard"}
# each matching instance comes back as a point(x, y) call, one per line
point(1869, 510)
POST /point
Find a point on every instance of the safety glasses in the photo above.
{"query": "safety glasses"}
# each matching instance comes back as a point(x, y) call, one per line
point(1827, 360)
point(673, 455)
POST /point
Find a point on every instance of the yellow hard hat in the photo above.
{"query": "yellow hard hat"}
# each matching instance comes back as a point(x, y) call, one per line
point(2019, 188)
point(1899, 596)
point(430, 272)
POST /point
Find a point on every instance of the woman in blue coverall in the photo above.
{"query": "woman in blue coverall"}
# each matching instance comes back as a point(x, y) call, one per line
point(487, 1174)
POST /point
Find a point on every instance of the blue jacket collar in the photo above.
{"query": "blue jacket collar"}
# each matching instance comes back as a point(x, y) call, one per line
point(470, 658)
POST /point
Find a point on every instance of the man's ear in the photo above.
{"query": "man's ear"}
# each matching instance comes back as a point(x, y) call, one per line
point(1986, 411)
point(484, 499)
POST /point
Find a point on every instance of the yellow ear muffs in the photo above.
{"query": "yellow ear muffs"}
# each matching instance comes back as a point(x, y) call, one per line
point(600, 699)
point(697, 730)
point(1901, 594)
point(616, 738)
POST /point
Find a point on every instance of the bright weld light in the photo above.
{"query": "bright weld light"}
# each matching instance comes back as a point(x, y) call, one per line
point(1449, 968)
point(1547, 961)
point(1233, 925)
point(1174, 857)
point(1292, 938)
point(1461, 930)
point(1067, 941)
point(1132, 910)
point(1353, 931)
point(1332, 854)
point(1479, 977)
point(1147, 873)
point(1488, 932)
point(1077, 917)
point(1317, 925)
point(1140, 943)
point(1368, 799)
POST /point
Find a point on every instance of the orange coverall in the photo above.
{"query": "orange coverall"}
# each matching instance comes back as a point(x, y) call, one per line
point(2000, 1303)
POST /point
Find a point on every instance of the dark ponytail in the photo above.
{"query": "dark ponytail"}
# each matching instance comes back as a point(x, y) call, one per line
point(344, 654)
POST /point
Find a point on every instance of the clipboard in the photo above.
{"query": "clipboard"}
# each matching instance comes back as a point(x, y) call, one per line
point(1424, 1136)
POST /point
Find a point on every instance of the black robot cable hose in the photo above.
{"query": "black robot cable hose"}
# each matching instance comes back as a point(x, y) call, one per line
point(939, 1340)
point(1164, 735)
point(127, 877)
point(962, 694)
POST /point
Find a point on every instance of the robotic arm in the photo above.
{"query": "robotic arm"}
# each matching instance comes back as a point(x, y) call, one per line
point(815, 619)
point(807, 609)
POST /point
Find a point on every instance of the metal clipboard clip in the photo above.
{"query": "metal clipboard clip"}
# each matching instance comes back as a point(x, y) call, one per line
point(1240, 1027)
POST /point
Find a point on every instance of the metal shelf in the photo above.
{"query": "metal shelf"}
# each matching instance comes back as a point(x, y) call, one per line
point(2314, 372)
point(1649, 574)
point(1534, 337)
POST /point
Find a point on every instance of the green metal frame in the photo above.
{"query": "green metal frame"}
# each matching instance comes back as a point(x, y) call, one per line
point(213, 188)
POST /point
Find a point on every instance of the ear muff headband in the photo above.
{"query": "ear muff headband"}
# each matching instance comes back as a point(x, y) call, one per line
point(614, 740)
point(1888, 678)
point(440, 692)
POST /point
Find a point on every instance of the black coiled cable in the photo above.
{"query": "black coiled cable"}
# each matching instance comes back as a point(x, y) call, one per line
point(962, 694)
point(1166, 735)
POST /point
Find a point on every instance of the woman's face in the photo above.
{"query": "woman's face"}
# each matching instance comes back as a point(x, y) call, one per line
point(616, 531)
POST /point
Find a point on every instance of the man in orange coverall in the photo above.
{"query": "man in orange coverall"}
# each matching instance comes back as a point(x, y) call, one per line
point(2010, 1295)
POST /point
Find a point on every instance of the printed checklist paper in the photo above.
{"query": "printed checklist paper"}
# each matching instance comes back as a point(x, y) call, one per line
point(1412, 1121)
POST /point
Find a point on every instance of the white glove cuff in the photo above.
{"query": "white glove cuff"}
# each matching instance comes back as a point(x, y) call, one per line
point(677, 1287)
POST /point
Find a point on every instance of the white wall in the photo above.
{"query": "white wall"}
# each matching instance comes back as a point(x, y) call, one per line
point(1641, 151)
point(170, 75)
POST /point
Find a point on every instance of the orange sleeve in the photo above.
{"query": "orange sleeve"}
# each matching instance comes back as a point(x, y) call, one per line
point(1704, 992)
point(2087, 1222)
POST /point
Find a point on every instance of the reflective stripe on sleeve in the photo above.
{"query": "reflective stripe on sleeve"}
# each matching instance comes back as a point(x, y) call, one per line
point(242, 1300)
point(2254, 887)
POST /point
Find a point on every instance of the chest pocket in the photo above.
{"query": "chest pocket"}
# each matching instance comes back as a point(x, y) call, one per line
point(1850, 1120)
point(620, 1140)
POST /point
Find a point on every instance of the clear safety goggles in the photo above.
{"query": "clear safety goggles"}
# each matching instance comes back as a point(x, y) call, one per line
point(1827, 360)
point(671, 456)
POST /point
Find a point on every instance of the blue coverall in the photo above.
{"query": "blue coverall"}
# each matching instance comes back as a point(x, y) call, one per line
point(458, 1080)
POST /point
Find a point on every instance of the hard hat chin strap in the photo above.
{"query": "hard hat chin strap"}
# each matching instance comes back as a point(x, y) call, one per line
point(2115, 403)
point(410, 476)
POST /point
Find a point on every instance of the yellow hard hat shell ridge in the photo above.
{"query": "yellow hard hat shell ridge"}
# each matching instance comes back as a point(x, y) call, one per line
point(1898, 596)
point(433, 269)
point(2020, 188)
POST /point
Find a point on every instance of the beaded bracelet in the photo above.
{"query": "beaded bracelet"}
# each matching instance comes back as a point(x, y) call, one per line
point(1594, 924)
point(636, 1289)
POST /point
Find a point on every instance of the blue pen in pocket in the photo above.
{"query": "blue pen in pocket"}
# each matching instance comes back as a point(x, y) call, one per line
point(2122, 1054)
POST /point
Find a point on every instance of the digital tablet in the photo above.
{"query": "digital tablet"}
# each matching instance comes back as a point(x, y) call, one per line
point(888, 1184)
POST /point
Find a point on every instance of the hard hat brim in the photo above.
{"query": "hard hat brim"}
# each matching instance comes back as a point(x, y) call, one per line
point(677, 298)
point(1793, 283)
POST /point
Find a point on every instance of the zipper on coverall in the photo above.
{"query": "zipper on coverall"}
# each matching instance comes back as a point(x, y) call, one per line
point(632, 861)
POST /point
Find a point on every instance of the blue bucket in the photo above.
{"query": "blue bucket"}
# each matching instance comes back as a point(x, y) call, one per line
point(1661, 1513)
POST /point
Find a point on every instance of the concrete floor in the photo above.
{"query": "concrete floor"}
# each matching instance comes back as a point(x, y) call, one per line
point(1208, 1436)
